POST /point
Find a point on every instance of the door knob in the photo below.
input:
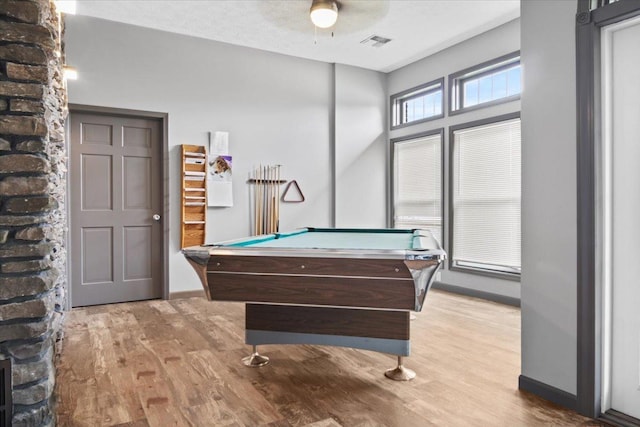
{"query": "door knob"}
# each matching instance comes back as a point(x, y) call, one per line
point(156, 217)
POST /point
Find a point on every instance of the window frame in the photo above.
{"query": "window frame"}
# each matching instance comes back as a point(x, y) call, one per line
point(398, 97)
point(393, 141)
point(449, 249)
point(477, 71)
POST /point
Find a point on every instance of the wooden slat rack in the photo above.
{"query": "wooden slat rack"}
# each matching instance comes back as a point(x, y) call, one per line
point(193, 199)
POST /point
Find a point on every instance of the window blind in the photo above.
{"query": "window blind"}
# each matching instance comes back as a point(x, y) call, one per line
point(418, 184)
point(486, 164)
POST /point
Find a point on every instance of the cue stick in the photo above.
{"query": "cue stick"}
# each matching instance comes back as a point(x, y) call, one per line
point(273, 201)
point(255, 201)
point(264, 200)
point(275, 197)
point(255, 208)
point(278, 199)
point(259, 184)
point(270, 210)
point(270, 203)
point(262, 206)
point(265, 215)
point(259, 189)
point(265, 207)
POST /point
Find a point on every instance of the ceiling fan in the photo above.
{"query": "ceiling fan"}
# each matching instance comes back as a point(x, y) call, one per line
point(324, 13)
point(300, 15)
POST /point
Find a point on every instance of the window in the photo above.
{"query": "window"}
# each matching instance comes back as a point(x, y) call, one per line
point(418, 104)
point(485, 196)
point(417, 179)
point(486, 84)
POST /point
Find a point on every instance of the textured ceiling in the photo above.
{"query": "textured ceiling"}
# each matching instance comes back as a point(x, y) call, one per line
point(417, 28)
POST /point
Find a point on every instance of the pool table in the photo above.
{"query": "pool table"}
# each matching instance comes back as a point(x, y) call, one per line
point(324, 286)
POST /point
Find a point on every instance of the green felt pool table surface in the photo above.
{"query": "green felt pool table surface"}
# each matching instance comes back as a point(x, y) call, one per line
point(311, 238)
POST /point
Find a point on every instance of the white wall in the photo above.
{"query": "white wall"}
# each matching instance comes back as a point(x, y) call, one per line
point(549, 275)
point(277, 108)
point(361, 147)
point(485, 47)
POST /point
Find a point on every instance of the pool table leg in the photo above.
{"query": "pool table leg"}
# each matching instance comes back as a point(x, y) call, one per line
point(256, 360)
point(400, 373)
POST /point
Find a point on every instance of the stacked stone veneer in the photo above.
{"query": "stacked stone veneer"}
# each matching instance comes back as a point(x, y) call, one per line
point(32, 217)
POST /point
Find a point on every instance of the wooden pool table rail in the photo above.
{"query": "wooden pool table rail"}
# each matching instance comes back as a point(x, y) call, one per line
point(390, 284)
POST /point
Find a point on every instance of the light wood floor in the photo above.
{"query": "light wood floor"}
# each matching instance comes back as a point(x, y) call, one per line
point(165, 363)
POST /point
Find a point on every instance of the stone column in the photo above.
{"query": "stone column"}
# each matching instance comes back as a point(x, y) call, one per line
point(33, 107)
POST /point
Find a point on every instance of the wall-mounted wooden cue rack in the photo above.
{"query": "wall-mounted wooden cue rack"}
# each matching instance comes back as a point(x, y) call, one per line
point(266, 191)
point(194, 195)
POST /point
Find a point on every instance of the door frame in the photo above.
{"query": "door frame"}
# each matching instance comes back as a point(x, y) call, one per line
point(591, 16)
point(164, 170)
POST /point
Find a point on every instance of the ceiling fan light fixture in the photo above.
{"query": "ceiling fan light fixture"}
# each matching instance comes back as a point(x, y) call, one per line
point(324, 13)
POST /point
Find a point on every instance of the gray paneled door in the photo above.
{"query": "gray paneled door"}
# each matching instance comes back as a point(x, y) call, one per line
point(116, 203)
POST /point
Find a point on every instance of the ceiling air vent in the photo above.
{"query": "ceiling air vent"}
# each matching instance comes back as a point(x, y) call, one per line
point(375, 41)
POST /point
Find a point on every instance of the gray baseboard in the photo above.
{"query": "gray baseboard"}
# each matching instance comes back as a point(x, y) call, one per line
point(186, 294)
point(619, 419)
point(547, 392)
point(477, 294)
